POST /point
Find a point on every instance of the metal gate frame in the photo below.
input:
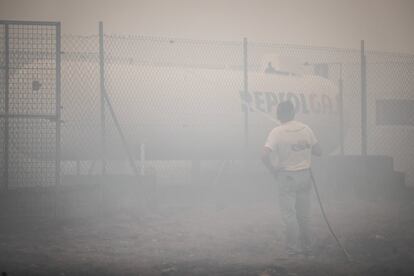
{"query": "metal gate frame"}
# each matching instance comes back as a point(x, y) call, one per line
point(51, 117)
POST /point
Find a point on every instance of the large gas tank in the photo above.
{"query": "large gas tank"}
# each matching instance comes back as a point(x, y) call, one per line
point(189, 113)
point(186, 113)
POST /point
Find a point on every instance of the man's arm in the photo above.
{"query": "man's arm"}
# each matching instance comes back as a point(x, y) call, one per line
point(317, 150)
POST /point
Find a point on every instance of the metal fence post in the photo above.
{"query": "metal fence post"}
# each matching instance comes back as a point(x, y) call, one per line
point(58, 103)
point(102, 96)
point(341, 110)
point(105, 99)
point(246, 89)
point(363, 101)
point(6, 109)
point(121, 134)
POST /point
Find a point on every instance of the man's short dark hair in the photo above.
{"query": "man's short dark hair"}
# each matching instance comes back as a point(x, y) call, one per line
point(285, 111)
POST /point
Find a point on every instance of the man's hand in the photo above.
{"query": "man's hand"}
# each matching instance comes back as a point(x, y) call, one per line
point(268, 164)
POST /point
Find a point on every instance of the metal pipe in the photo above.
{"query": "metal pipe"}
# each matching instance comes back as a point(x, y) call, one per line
point(58, 104)
point(143, 158)
point(23, 22)
point(341, 111)
point(102, 96)
point(105, 98)
point(78, 167)
point(121, 134)
point(6, 109)
point(246, 89)
point(30, 116)
point(363, 101)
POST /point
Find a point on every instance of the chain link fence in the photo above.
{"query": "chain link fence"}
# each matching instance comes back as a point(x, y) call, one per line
point(193, 111)
point(184, 100)
point(390, 86)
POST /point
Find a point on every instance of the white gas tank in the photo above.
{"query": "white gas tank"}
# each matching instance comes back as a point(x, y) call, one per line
point(187, 113)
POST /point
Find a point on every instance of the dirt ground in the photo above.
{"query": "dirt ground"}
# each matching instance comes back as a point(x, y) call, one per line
point(211, 239)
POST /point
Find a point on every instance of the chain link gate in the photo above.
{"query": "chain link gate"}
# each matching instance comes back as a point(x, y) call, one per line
point(29, 104)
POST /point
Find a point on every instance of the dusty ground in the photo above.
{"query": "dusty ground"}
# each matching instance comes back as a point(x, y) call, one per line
point(211, 239)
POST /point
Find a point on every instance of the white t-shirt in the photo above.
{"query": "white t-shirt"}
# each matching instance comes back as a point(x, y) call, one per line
point(291, 144)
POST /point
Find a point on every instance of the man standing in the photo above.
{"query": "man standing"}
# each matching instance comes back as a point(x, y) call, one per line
point(287, 155)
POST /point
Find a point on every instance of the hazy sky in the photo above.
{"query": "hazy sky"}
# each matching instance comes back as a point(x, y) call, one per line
point(386, 25)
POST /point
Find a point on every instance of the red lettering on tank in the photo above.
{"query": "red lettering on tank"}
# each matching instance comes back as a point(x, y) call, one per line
point(305, 109)
point(271, 101)
point(259, 101)
point(295, 100)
